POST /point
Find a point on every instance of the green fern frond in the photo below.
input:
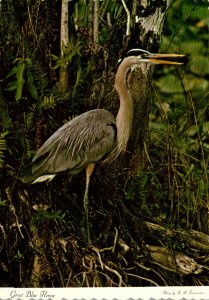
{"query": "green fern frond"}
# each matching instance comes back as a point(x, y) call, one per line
point(3, 148)
point(48, 102)
point(6, 121)
point(45, 216)
point(73, 50)
point(30, 115)
point(40, 79)
point(29, 149)
point(57, 92)
point(77, 82)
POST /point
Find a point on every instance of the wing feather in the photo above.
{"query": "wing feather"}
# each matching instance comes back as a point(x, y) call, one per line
point(87, 138)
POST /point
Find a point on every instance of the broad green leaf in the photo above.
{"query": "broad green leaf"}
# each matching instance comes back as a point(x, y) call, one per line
point(200, 12)
point(20, 80)
point(31, 88)
point(200, 65)
point(11, 86)
point(195, 83)
point(193, 47)
point(169, 84)
point(12, 72)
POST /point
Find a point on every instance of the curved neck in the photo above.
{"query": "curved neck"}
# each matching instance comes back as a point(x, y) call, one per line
point(124, 117)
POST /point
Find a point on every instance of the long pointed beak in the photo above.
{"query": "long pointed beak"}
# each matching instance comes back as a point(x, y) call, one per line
point(165, 59)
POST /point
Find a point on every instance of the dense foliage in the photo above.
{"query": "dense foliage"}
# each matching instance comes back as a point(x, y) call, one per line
point(184, 115)
point(42, 235)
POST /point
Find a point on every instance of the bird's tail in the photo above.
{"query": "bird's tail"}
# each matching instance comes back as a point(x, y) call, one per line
point(29, 174)
point(26, 174)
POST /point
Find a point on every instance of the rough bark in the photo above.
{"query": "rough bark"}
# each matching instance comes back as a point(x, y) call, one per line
point(96, 23)
point(64, 41)
point(147, 28)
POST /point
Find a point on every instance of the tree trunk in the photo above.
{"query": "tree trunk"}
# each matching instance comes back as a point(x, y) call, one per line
point(96, 23)
point(149, 26)
point(64, 41)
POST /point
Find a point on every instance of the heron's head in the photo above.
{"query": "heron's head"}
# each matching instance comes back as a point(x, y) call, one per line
point(139, 57)
point(143, 56)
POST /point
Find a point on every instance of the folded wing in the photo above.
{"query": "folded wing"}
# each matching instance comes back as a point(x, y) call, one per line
point(85, 139)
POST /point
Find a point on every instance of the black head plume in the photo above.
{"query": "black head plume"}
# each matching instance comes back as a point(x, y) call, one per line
point(133, 52)
point(137, 52)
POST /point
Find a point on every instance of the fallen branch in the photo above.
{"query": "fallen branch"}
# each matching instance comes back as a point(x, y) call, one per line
point(193, 238)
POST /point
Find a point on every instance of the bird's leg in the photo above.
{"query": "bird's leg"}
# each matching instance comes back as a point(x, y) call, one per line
point(89, 171)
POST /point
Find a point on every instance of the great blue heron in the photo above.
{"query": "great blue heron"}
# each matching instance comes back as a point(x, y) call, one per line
point(90, 137)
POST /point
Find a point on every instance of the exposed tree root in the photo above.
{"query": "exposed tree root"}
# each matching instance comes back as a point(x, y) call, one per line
point(174, 261)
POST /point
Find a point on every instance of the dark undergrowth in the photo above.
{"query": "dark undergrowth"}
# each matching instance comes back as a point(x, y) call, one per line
point(148, 228)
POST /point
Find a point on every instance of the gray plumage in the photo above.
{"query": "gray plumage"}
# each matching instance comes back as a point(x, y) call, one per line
point(85, 139)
